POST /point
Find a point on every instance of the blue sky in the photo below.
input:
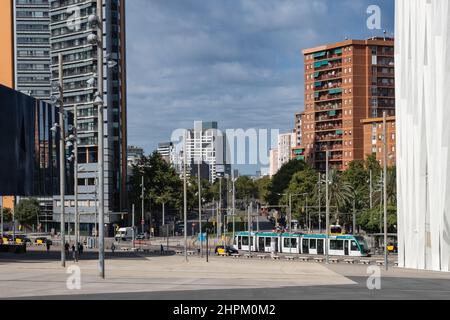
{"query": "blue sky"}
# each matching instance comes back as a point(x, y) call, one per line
point(237, 62)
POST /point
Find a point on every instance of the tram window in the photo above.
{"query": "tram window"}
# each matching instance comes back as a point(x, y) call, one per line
point(286, 242)
point(245, 241)
point(293, 242)
point(354, 246)
point(268, 242)
point(336, 245)
point(313, 244)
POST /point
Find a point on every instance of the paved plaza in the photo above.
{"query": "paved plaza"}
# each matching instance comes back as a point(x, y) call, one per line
point(38, 275)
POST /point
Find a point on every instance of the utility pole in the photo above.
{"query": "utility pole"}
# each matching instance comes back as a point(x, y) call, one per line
point(249, 229)
point(1, 217)
point(371, 189)
point(77, 216)
point(101, 135)
point(134, 226)
point(320, 203)
point(234, 208)
point(327, 208)
point(385, 190)
point(290, 222)
point(354, 217)
point(185, 194)
point(200, 207)
point(62, 160)
point(307, 215)
point(220, 205)
point(142, 203)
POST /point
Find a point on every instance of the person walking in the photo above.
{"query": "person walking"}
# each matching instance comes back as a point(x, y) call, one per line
point(74, 253)
point(162, 250)
point(113, 248)
point(48, 246)
point(66, 247)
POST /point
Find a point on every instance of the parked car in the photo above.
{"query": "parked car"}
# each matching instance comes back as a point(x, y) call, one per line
point(220, 250)
point(43, 241)
point(141, 236)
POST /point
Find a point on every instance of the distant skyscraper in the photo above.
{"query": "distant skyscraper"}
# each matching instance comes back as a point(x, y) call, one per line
point(286, 142)
point(207, 145)
point(134, 155)
point(167, 151)
point(273, 169)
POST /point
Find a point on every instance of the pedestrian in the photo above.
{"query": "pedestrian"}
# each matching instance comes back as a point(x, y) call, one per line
point(162, 250)
point(66, 247)
point(74, 253)
point(48, 245)
point(80, 248)
point(113, 248)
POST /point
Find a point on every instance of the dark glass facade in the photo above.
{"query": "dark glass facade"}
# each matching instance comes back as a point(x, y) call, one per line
point(29, 150)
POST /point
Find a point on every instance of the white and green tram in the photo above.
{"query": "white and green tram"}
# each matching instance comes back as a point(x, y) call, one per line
point(298, 243)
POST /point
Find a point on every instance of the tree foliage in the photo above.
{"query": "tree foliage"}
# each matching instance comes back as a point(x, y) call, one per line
point(27, 211)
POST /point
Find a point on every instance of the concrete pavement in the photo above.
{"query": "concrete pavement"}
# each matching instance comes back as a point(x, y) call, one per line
point(131, 276)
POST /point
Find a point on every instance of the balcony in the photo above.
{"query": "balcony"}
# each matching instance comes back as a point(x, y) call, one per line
point(320, 76)
point(323, 85)
point(330, 136)
point(323, 107)
point(327, 65)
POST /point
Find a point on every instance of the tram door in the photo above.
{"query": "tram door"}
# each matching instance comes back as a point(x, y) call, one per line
point(346, 249)
point(261, 244)
point(320, 247)
point(305, 246)
point(274, 245)
point(239, 243)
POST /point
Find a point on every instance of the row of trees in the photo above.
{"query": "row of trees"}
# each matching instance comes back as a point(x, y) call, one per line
point(349, 191)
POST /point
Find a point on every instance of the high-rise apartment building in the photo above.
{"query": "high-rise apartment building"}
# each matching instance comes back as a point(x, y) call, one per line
point(167, 151)
point(286, 142)
point(345, 83)
point(32, 48)
point(206, 145)
point(374, 142)
point(69, 30)
point(273, 168)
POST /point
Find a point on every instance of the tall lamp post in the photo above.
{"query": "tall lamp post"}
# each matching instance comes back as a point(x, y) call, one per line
point(185, 194)
point(200, 206)
point(96, 22)
point(59, 100)
point(385, 190)
point(327, 238)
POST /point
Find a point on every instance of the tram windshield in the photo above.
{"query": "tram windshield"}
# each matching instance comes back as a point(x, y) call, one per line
point(362, 242)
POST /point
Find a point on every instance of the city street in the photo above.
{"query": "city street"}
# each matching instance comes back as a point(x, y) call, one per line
point(154, 277)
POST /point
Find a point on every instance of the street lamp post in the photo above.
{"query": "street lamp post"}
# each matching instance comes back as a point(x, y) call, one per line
point(327, 238)
point(185, 194)
point(77, 217)
point(62, 160)
point(249, 229)
point(234, 207)
point(142, 203)
point(200, 207)
point(134, 227)
point(385, 190)
point(320, 203)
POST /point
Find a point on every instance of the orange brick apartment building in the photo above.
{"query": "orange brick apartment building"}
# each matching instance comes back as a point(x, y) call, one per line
point(345, 83)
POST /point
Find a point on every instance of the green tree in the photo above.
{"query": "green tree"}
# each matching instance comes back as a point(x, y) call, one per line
point(161, 183)
point(281, 181)
point(27, 211)
point(340, 193)
point(246, 189)
point(302, 186)
point(263, 187)
point(7, 217)
point(372, 221)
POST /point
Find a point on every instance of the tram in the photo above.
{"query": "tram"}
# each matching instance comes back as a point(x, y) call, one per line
point(298, 243)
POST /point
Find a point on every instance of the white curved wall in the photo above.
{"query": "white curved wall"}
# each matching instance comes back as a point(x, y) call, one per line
point(423, 132)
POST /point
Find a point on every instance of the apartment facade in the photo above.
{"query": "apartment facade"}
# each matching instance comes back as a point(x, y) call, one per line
point(373, 139)
point(32, 48)
point(208, 145)
point(69, 29)
point(345, 83)
point(273, 168)
point(167, 151)
point(286, 142)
